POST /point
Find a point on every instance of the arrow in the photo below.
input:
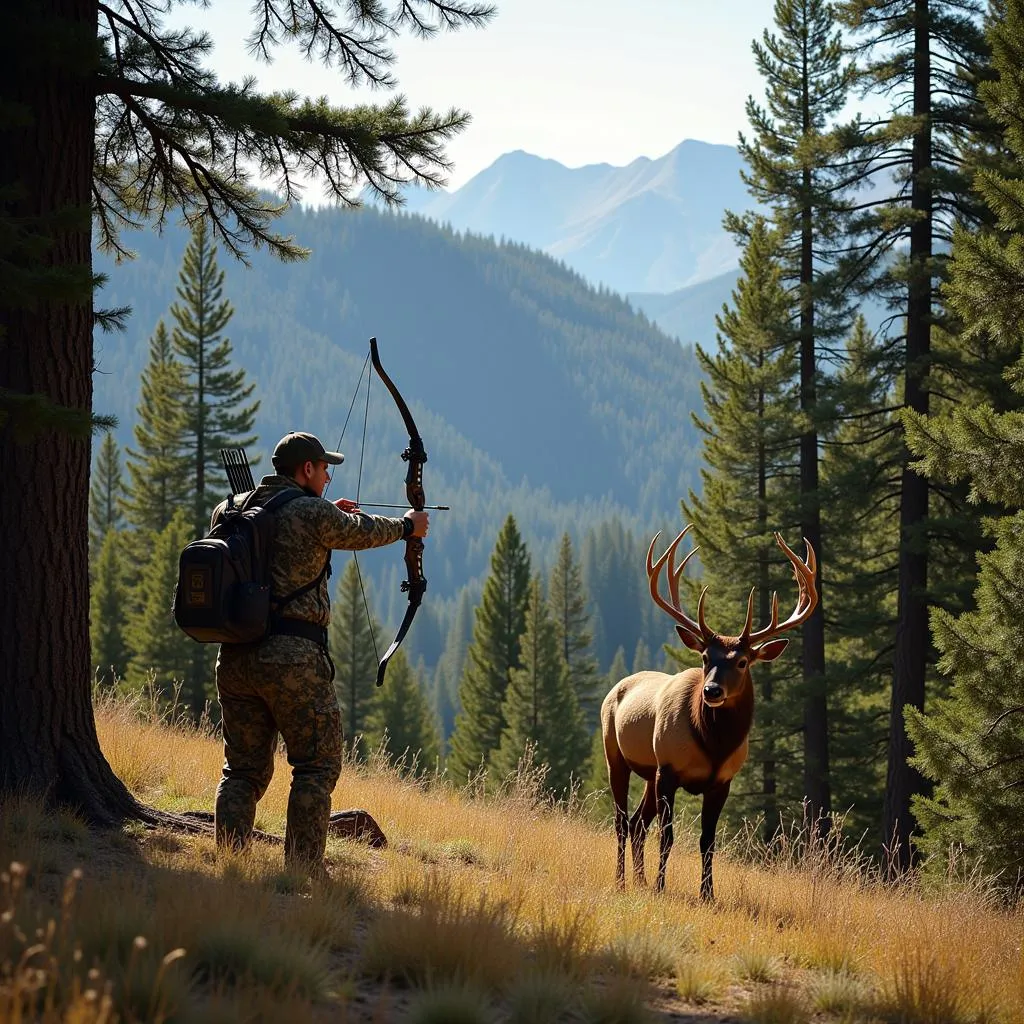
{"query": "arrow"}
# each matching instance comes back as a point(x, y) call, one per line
point(378, 504)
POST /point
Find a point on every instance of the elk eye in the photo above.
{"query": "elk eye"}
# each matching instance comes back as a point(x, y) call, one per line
point(741, 664)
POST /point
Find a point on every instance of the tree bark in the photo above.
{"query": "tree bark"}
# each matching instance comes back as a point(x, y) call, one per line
point(817, 786)
point(912, 636)
point(769, 787)
point(48, 742)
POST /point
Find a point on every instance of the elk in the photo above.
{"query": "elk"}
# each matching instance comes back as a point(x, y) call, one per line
point(690, 729)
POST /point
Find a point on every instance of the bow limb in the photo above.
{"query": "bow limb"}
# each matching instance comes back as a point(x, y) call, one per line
point(415, 455)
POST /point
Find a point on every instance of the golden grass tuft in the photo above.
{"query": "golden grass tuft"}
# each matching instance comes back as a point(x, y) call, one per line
point(450, 937)
point(755, 964)
point(842, 994)
point(450, 1004)
point(616, 1002)
point(647, 954)
point(541, 998)
point(701, 979)
point(775, 1004)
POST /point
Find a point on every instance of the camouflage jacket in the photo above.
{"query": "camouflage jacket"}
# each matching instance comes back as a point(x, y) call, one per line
point(308, 529)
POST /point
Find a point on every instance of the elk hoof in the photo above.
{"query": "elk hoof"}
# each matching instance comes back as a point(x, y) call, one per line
point(357, 824)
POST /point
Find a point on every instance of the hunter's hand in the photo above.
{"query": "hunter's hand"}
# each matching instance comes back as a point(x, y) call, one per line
point(420, 522)
point(347, 505)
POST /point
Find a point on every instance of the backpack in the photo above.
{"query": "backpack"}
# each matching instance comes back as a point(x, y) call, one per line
point(223, 593)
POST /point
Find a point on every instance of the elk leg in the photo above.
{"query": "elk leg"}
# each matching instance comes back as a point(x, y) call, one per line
point(638, 826)
point(711, 810)
point(665, 787)
point(618, 781)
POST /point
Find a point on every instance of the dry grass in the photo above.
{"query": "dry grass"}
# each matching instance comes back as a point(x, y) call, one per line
point(497, 908)
point(701, 979)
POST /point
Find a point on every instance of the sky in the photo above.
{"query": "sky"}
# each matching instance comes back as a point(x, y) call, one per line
point(577, 81)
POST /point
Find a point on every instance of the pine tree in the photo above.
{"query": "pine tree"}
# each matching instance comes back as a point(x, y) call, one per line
point(969, 741)
point(215, 411)
point(861, 469)
point(157, 465)
point(351, 640)
point(105, 494)
point(160, 486)
point(797, 171)
point(154, 640)
point(493, 655)
point(925, 58)
point(540, 707)
point(569, 610)
point(750, 454)
point(399, 713)
point(106, 609)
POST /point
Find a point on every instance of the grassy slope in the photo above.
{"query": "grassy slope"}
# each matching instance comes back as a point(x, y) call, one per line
point(479, 910)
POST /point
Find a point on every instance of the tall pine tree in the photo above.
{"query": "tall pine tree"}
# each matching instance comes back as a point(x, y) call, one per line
point(541, 708)
point(493, 655)
point(216, 413)
point(351, 638)
point(107, 599)
point(106, 493)
point(861, 469)
point(924, 57)
point(159, 482)
point(750, 427)
point(970, 741)
point(570, 613)
point(155, 642)
point(797, 172)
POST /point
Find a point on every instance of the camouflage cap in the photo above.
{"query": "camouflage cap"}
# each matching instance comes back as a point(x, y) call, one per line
point(298, 447)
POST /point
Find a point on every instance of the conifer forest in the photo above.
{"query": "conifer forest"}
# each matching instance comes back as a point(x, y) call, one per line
point(862, 390)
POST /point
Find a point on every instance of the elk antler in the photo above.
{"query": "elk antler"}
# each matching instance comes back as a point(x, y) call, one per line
point(806, 599)
point(698, 629)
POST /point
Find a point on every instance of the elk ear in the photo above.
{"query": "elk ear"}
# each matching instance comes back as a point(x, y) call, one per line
point(771, 650)
point(689, 640)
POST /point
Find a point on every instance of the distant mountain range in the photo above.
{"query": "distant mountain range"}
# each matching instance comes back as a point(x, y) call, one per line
point(651, 226)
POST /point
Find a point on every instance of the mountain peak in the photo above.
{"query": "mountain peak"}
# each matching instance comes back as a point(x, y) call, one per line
point(653, 225)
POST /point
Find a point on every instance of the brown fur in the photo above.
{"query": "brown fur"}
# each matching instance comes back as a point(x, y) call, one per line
point(690, 729)
point(660, 727)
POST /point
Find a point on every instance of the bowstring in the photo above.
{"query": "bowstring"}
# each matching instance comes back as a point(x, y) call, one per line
point(359, 484)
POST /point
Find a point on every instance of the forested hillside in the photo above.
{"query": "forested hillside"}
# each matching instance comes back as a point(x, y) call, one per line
point(535, 393)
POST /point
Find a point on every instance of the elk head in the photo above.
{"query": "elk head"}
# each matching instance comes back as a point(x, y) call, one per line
point(727, 659)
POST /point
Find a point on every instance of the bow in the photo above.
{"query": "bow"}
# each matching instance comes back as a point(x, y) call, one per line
point(415, 455)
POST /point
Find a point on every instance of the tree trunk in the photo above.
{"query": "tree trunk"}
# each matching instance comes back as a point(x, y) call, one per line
point(769, 803)
point(48, 743)
point(912, 636)
point(817, 787)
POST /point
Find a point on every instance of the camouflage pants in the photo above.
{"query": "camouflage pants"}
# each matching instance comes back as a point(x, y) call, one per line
point(260, 698)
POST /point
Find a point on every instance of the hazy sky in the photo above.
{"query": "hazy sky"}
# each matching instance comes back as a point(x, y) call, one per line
point(580, 81)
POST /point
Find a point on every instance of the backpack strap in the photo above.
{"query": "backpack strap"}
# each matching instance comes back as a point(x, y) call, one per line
point(275, 502)
point(280, 602)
